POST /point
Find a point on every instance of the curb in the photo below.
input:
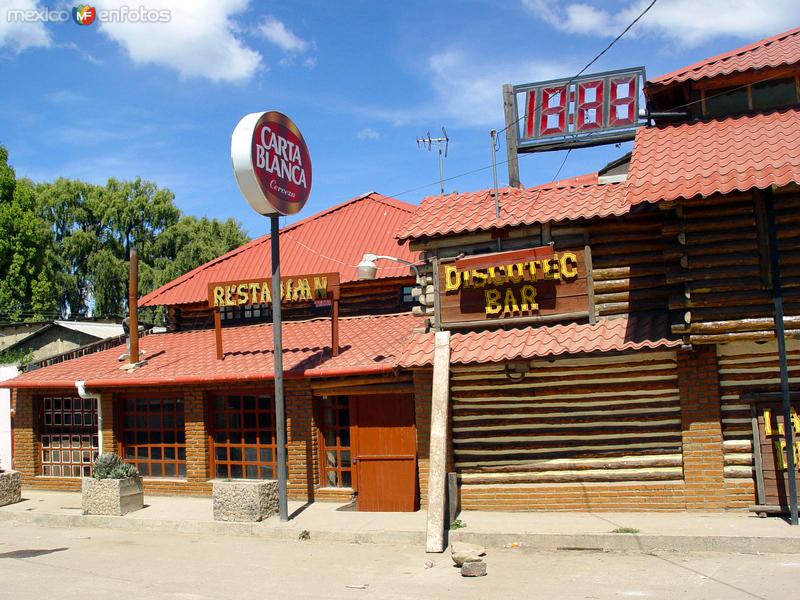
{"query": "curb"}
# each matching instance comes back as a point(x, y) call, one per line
point(597, 542)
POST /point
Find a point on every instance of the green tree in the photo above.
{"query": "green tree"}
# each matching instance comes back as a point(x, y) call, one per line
point(26, 278)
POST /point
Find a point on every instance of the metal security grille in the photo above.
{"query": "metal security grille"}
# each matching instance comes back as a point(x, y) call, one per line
point(154, 437)
point(68, 441)
point(334, 418)
point(243, 436)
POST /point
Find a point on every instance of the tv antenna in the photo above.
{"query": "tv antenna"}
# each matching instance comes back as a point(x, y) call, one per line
point(428, 142)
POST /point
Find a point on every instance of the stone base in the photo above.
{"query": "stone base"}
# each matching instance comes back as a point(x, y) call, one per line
point(10, 485)
point(112, 496)
point(244, 500)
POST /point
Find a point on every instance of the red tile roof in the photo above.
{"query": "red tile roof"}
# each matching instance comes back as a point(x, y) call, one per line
point(367, 345)
point(718, 156)
point(633, 333)
point(577, 198)
point(776, 51)
point(329, 241)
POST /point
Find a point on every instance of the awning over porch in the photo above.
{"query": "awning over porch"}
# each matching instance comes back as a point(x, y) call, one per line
point(632, 333)
point(367, 345)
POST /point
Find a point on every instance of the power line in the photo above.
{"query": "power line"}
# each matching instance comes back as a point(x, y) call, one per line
point(595, 59)
point(563, 162)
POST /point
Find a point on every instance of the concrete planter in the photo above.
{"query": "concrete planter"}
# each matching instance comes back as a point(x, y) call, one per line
point(245, 500)
point(10, 485)
point(112, 496)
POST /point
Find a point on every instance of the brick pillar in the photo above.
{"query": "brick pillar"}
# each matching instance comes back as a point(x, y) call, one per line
point(197, 470)
point(301, 447)
point(26, 459)
point(423, 381)
point(110, 438)
point(701, 425)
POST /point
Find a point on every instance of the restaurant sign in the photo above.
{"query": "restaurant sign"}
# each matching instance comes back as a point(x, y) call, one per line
point(304, 288)
point(532, 284)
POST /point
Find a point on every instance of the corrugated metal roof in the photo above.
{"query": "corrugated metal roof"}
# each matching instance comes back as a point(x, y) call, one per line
point(367, 345)
point(719, 156)
point(775, 51)
point(632, 333)
point(98, 330)
point(329, 241)
point(570, 199)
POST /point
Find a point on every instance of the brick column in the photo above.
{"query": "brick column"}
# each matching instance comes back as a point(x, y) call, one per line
point(423, 381)
point(197, 470)
point(701, 425)
point(301, 447)
point(26, 459)
point(110, 438)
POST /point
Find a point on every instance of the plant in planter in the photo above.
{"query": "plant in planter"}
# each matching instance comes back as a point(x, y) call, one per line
point(115, 487)
point(10, 487)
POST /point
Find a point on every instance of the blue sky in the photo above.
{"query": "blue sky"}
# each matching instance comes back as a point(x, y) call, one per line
point(362, 79)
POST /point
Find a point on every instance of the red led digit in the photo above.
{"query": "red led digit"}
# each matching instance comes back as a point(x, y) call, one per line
point(554, 111)
point(622, 105)
point(590, 105)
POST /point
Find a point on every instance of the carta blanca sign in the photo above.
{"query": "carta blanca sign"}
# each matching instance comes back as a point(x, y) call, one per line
point(271, 163)
point(296, 289)
point(531, 283)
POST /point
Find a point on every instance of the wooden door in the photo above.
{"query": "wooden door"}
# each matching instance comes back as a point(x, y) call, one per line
point(385, 453)
point(774, 460)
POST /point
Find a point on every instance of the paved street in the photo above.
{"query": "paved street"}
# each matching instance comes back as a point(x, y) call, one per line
point(39, 562)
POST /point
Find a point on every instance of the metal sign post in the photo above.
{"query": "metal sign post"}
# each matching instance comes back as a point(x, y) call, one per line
point(277, 345)
point(780, 334)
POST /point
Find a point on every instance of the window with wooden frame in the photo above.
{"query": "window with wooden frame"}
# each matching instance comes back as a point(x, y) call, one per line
point(68, 440)
point(242, 436)
point(154, 435)
point(333, 417)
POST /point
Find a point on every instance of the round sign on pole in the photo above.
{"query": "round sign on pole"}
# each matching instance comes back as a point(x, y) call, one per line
point(271, 163)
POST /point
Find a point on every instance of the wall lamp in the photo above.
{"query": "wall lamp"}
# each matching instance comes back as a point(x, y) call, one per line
point(367, 269)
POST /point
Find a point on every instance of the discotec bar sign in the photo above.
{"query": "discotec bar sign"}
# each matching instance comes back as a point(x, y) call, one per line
point(271, 163)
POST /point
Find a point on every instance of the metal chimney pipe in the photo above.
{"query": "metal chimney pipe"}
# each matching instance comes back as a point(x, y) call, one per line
point(133, 307)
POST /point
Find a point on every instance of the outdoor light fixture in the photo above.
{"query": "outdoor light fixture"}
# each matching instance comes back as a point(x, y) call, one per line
point(367, 269)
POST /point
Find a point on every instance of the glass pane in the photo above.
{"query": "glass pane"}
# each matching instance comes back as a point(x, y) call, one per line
point(169, 421)
point(333, 480)
point(267, 473)
point(726, 102)
point(219, 421)
point(236, 471)
point(181, 469)
point(266, 455)
point(330, 458)
point(330, 438)
point(265, 437)
point(344, 456)
point(234, 402)
point(221, 453)
point(169, 469)
point(235, 437)
point(141, 452)
point(344, 418)
point(222, 471)
point(249, 402)
point(264, 402)
point(250, 420)
point(347, 479)
point(250, 455)
point(169, 453)
point(236, 454)
point(344, 437)
point(251, 472)
point(155, 437)
point(774, 94)
point(250, 437)
point(330, 417)
point(235, 420)
point(181, 453)
point(155, 453)
point(142, 469)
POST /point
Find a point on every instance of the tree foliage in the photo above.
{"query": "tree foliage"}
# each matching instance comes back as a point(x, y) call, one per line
point(65, 245)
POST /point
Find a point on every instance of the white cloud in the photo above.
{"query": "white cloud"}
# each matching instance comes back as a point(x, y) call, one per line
point(18, 36)
point(367, 133)
point(686, 23)
point(200, 40)
point(276, 32)
point(466, 89)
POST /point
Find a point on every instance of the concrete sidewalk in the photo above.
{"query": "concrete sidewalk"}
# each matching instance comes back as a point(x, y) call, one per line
point(680, 532)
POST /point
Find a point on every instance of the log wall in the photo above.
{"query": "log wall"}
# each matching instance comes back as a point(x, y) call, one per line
point(718, 254)
point(606, 421)
point(747, 367)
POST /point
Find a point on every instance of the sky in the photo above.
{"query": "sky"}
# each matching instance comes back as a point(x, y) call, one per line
point(363, 79)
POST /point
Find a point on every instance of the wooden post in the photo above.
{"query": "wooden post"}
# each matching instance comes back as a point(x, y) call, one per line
point(335, 325)
point(133, 307)
point(509, 109)
point(218, 332)
point(587, 257)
